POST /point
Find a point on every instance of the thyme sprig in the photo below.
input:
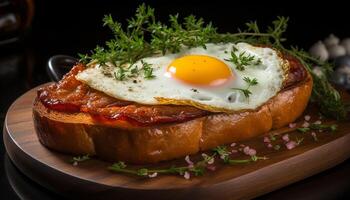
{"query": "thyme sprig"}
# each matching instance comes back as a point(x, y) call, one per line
point(78, 159)
point(145, 36)
point(331, 127)
point(133, 70)
point(198, 168)
point(250, 82)
point(242, 60)
point(224, 154)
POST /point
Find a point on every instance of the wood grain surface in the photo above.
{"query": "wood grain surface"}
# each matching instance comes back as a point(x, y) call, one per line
point(92, 180)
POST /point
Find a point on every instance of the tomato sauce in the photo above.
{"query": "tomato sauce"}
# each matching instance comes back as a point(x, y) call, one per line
point(70, 95)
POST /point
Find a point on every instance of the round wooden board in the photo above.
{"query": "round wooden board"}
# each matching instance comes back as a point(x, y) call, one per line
point(91, 179)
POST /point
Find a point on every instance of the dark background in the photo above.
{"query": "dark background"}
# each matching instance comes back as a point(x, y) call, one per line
point(69, 27)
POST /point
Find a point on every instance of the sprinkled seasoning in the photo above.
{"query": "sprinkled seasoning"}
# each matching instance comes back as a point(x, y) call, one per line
point(285, 138)
point(249, 151)
point(211, 167)
point(272, 137)
point(187, 159)
point(305, 125)
point(187, 175)
point(307, 117)
point(153, 175)
point(318, 122)
point(267, 140)
point(291, 145)
point(292, 125)
point(313, 134)
point(277, 147)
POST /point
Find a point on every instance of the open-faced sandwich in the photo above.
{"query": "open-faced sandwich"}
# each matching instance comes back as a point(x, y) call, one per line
point(159, 92)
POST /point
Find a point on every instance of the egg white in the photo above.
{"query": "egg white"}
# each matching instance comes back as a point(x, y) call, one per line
point(164, 90)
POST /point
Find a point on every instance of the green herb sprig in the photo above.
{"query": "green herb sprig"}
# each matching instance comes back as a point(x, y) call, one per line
point(198, 168)
point(79, 159)
point(225, 156)
point(250, 82)
point(242, 60)
point(145, 36)
point(331, 127)
point(133, 70)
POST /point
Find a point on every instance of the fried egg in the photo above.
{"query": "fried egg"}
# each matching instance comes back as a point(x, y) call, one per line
point(200, 77)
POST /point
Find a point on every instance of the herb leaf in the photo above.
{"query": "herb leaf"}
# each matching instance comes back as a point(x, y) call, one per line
point(251, 82)
point(147, 70)
point(78, 159)
point(225, 156)
point(242, 60)
point(144, 36)
point(331, 127)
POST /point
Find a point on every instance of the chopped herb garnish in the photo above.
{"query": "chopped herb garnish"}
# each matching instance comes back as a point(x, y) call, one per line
point(120, 74)
point(251, 82)
point(299, 141)
point(145, 36)
point(78, 159)
point(277, 147)
point(331, 127)
point(242, 60)
point(198, 168)
point(147, 70)
point(303, 130)
point(272, 137)
point(225, 156)
point(313, 134)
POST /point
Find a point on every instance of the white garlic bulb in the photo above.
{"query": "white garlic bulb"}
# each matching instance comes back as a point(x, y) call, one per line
point(331, 40)
point(336, 51)
point(346, 44)
point(319, 50)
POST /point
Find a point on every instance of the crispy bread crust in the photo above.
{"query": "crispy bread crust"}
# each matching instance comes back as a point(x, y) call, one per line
point(79, 134)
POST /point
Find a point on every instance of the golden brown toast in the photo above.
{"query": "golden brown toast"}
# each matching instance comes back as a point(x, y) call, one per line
point(79, 134)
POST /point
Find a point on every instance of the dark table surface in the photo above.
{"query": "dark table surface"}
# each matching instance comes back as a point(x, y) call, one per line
point(63, 27)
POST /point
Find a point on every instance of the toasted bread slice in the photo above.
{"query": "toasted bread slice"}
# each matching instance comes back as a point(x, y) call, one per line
point(79, 134)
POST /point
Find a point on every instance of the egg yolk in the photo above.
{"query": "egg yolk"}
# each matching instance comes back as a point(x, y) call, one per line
point(200, 70)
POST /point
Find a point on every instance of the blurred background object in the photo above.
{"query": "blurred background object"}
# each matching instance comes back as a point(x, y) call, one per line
point(336, 51)
point(15, 19)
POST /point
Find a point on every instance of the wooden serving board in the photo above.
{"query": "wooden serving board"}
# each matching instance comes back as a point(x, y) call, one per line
point(91, 179)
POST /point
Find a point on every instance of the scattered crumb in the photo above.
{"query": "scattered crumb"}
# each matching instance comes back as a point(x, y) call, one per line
point(307, 117)
point(153, 175)
point(187, 175)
